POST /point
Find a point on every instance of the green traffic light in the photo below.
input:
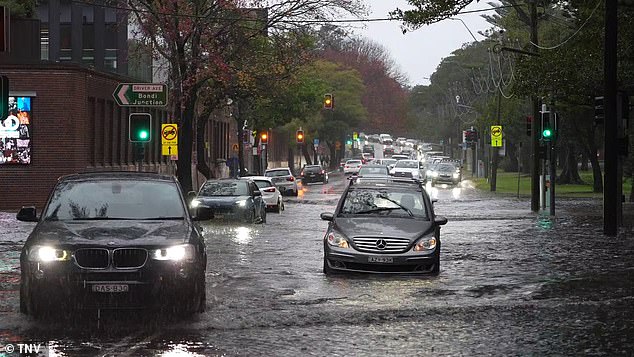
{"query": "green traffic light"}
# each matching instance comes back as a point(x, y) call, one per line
point(547, 133)
point(143, 135)
point(349, 142)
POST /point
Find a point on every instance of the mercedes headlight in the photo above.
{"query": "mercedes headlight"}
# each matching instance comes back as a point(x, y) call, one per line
point(424, 244)
point(337, 240)
point(175, 253)
point(45, 254)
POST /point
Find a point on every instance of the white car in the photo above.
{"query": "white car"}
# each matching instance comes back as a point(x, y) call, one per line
point(407, 168)
point(270, 194)
point(284, 180)
point(352, 167)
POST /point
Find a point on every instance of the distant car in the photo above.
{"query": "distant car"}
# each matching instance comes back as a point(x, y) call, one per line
point(387, 162)
point(373, 171)
point(445, 173)
point(232, 199)
point(342, 163)
point(314, 173)
point(368, 149)
point(270, 194)
point(284, 180)
point(400, 157)
point(408, 169)
point(113, 240)
point(352, 166)
point(383, 225)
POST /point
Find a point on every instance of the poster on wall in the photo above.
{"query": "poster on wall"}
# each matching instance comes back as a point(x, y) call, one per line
point(15, 133)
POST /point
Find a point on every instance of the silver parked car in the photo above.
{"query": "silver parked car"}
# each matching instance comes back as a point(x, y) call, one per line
point(284, 180)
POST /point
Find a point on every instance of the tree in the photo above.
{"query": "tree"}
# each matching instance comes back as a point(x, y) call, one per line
point(194, 37)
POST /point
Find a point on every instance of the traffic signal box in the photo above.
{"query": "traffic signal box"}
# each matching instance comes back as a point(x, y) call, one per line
point(264, 137)
point(529, 125)
point(299, 136)
point(140, 128)
point(329, 101)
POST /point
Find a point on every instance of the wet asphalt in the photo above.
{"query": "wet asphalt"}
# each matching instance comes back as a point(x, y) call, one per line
point(512, 282)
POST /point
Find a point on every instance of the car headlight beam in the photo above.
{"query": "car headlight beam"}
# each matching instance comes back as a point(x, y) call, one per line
point(241, 203)
point(175, 253)
point(45, 254)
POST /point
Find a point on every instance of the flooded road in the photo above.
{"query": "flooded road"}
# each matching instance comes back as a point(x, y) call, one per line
point(511, 283)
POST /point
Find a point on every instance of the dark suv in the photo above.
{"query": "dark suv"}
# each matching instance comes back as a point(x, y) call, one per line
point(383, 225)
point(113, 240)
point(313, 173)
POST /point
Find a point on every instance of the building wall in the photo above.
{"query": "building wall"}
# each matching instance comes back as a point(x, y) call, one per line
point(76, 126)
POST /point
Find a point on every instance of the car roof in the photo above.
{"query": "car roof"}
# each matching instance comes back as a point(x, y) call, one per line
point(378, 181)
point(259, 178)
point(279, 169)
point(374, 166)
point(118, 175)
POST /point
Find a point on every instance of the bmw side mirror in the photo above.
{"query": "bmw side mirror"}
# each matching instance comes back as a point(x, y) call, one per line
point(434, 200)
point(327, 216)
point(257, 193)
point(190, 196)
point(440, 220)
point(27, 214)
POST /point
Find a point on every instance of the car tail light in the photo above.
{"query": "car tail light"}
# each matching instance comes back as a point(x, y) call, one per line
point(322, 172)
point(272, 189)
point(290, 179)
point(301, 173)
point(347, 166)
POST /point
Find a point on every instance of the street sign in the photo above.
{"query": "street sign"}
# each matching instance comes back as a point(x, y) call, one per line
point(315, 141)
point(169, 134)
point(496, 135)
point(169, 150)
point(235, 147)
point(141, 94)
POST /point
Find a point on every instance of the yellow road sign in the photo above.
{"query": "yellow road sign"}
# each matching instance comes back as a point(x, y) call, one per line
point(169, 134)
point(496, 135)
point(170, 150)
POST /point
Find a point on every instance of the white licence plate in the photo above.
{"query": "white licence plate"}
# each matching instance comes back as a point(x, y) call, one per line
point(110, 288)
point(380, 260)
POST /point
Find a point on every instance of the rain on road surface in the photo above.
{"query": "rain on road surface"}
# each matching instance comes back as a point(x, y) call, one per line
point(511, 283)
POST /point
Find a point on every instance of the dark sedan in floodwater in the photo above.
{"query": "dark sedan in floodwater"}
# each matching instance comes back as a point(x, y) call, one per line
point(113, 241)
point(383, 225)
point(232, 199)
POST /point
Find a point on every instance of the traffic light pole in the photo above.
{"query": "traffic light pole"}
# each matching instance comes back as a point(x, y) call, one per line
point(553, 175)
point(535, 162)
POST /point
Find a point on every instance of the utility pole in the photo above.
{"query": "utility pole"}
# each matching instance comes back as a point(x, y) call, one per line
point(611, 197)
point(535, 162)
point(494, 150)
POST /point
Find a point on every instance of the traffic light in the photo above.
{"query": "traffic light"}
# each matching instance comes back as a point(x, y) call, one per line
point(264, 137)
point(300, 136)
point(599, 111)
point(348, 140)
point(471, 136)
point(140, 129)
point(547, 127)
point(529, 125)
point(329, 101)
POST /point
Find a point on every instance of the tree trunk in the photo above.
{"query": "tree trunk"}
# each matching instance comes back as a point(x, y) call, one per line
point(291, 159)
point(306, 154)
point(201, 166)
point(184, 163)
point(241, 147)
point(584, 162)
point(570, 173)
point(596, 173)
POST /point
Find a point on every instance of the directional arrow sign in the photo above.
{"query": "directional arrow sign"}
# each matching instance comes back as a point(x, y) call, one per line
point(141, 94)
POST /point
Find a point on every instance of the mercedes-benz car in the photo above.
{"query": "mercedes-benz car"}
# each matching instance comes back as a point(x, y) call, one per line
point(113, 240)
point(383, 225)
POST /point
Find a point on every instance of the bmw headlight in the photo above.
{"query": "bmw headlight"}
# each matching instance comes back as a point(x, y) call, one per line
point(195, 203)
point(40, 253)
point(241, 203)
point(425, 243)
point(337, 240)
point(175, 253)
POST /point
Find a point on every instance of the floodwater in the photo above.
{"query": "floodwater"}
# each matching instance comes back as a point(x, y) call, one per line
point(512, 282)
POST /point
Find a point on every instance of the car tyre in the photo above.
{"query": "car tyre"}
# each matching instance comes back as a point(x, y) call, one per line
point(278, 207)
point(263, 220)
point(23, 308)
point(295, 193)
point(249, 216)
point(326, 269)
point(436, 269)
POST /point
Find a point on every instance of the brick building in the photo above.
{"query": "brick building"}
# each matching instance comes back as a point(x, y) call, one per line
point(64, 117)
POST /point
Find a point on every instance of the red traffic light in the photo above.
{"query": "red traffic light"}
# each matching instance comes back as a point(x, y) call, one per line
point(300, 136)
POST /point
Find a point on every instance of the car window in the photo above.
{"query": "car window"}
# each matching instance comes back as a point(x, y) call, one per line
point(446, 167)
point(374, 201)
point(312, 169)
point(275, 173)
point(115, 199)
point(407, 164)
point(354, 162)
point(262, 183)
point(224, 188)
point(373, 170)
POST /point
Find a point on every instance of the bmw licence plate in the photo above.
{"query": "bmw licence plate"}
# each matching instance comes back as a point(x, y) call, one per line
point(110, 288)
point(380, 260)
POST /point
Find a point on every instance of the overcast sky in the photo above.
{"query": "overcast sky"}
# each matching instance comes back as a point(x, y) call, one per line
point(418, 53)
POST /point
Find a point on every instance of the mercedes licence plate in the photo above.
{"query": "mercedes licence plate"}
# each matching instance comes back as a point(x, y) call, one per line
point(380, 260)
point(110, 288)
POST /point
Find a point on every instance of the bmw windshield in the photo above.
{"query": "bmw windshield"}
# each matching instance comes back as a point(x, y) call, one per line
point(115, 199)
